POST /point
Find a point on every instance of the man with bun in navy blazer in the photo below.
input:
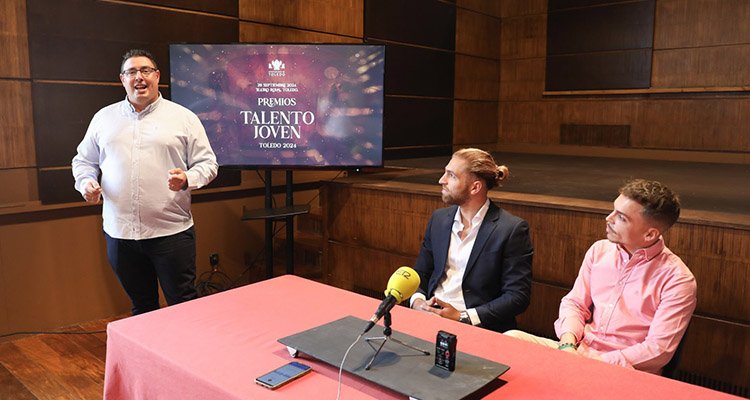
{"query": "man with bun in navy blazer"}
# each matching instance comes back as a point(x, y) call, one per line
point(475, 260)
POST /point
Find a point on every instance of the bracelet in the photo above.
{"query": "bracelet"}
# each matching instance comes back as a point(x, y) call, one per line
point(566, 345)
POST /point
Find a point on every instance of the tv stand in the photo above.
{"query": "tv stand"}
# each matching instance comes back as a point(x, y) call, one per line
point(271, 214)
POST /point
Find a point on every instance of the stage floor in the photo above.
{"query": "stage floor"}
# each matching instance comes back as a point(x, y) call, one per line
point(723, 188)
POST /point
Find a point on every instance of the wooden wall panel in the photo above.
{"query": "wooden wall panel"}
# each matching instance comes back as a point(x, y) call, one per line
point(595, 135)
point(394, 223)
point(517, 8)
point(603, 47)
point(599, 45)
point(701, 23)
point(53, 295)
point(702, 67)
point(543, 310)
point(56, 186)
point(474, 122)
point(610, 112)
point(64, 44)
point(698, 124)
point(419, 74)
point(524, 37)
point(560, 240)
point(368, 281)
point(608, 27)
point(417, 71)
point(13, 40)
point(341, 17)
point(475, 109)
point(16, 127)
point(723, 281)
point(224, 7)
point(626, 69)
point(260, 33)
point(4, 312)
point(23, 182)
point(62, 113)
point(418, 151)
point(717, 124)
point(555, 5)
point(717, 350)
point(427, 23)
point(522, 73)
point(414, 122)
point(698, 44)
point(669, 131)
point(522, 79)
point(476, 78)
point(529, 122)
point(720, 261)
point(477, 34)
point(491, 8)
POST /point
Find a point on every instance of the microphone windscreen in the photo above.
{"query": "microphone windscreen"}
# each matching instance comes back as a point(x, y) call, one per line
point(403, 283)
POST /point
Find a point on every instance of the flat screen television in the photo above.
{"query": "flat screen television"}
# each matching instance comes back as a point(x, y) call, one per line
point(285, 105)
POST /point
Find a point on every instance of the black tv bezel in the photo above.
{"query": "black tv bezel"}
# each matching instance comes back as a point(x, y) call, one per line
point(295, 167)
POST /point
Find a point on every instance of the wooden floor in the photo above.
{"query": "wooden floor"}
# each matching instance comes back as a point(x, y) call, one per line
point(55, 366)
point(71, 367)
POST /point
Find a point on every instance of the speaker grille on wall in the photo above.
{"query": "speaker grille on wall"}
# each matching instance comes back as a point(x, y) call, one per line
point(595, 135)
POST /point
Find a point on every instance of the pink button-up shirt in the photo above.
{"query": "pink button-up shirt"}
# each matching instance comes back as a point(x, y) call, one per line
point(638, 306)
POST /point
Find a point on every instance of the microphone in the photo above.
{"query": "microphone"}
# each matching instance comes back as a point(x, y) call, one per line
point(402, 284)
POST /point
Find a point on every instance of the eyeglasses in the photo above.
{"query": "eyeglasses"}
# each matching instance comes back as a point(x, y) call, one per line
point(145, 72)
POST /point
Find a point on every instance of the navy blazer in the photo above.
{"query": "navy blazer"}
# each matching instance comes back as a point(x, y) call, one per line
point(497, 280)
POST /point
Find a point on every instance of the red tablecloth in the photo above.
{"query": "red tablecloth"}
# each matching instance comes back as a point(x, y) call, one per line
point(214, 347)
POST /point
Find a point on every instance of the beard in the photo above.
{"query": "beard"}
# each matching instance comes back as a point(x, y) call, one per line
point(455, 198)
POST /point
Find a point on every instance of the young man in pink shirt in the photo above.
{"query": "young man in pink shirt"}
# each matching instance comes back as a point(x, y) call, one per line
point(633, 298)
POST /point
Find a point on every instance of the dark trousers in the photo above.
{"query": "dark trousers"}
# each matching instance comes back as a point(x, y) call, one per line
point(142, 265)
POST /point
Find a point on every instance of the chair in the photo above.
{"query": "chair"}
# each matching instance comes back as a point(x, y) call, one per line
point(669, 370)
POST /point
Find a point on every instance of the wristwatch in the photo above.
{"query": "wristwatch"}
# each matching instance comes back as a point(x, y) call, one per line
point(464, 317)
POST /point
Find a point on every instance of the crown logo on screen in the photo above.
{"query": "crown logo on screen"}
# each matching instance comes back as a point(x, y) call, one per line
point(276, 68)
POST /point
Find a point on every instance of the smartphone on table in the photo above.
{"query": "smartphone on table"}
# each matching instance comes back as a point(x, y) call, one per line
point(283, 375)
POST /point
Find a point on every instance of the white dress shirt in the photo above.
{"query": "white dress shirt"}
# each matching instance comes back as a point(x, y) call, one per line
point(449, 288)
point(133, 151)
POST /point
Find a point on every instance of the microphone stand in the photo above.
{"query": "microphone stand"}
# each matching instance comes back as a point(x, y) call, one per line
point(386, 336)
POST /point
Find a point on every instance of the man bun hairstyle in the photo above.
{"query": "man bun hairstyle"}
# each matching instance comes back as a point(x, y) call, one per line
point(660, 204)
point(483, 165)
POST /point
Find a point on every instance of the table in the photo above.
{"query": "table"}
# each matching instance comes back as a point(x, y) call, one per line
point(214, 347)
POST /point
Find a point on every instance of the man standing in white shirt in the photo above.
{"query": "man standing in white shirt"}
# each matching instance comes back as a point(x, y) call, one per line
point(475, 260)
point(150, 153)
